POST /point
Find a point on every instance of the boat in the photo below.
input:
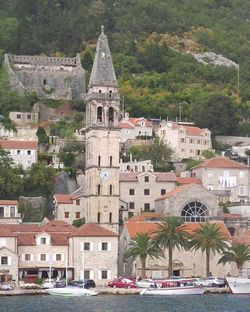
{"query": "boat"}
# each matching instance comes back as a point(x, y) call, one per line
point(71, 292)
point(239, 285)
point(174, 291)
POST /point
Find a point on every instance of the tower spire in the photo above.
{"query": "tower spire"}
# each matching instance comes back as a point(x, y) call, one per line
point(103, 73)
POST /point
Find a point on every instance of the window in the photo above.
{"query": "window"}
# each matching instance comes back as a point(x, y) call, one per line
point(143, 169)
point(198, 152)
point(99, 114)
point(146, 207)
point(86, 274)
point(241, 174)
point(198, 141)
point(77, 202)
point(98, 189)
point(43, 257)
point(12, 212)
point(182, 140)
point(210, 174)
point(99, 161)
point(195, 212)
point(86, 246)
point(104, 246)
point(110, 190)
point(104, 274)
point(146, 179)
point(28, 116)
point(58, 257)
point(242, 190)
point(1, 212)
point(44, 82)
point(43, 240)
point(146, 192)
point(163, 192)
point(191, 140)
point(99, 217)
point(4, 260)
point(131, 205)
point(28, 152)
point(18, 116)
point(66, 214)
point(110, 217)
point(111, 114)
point(27, 257)
point(183, 150)
point(18, 152)
point(78, 215)
point(131, 192)
point(110, 161)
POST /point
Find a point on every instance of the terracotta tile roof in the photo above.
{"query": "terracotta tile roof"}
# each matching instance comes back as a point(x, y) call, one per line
point(190, 130)
point(221, 162)
point(192, 180)
point(133, 121)
point(149, 227)
point(174, 192)
point(145, 216)
point(59, 240)
point(6, 232)
point(57, 226)
point(134, 228)
point(64, 198)
point(26, 240)
point(159, 176)
point(93, 230)
point(27, 145)
point(8, 202)
point(124, 125)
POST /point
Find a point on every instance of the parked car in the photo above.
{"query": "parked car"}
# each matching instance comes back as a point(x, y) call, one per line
point(212, 281)
point(89, 283)
point(122, 283)
point(48, 283)
point(230, 153)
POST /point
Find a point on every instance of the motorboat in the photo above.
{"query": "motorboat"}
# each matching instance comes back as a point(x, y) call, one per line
point(72, 292)
point(239, 285)
point(173, 291)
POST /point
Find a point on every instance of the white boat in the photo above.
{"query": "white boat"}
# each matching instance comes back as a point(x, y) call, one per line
point(239, 285)
point(71, 292)
point(173, 291)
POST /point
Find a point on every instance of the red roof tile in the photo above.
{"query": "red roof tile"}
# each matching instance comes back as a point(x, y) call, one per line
point(193, 226)
point(190, 130)
point(29, 145)
point(93, 230)
point(145, 216)
point(64, 198)
point(57, 226)
point(192, 180)
point(124, 125)
point(221, 162)
point(8, 202)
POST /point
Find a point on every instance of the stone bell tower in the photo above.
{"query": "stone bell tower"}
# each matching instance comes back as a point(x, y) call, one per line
point(102, 140)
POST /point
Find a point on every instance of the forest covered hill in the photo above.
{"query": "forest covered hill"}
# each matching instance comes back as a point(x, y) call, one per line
point(151, 44)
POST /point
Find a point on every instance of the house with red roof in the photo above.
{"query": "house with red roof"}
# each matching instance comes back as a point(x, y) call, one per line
point(9, 211)
point(140, 189)
point(131, 128)
point(24, 153)
point(186, 263)
point(227, 178)
point(68, 207)
point(186, 140)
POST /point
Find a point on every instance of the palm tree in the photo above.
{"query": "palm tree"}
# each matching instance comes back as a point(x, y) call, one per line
point(169, 235)
point(143, 246)
point(209, 239)
point(238, 253)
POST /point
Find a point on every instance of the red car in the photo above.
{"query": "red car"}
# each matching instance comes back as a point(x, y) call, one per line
point(121, 283)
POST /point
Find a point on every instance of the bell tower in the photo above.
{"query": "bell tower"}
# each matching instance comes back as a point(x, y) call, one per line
point(102, 140)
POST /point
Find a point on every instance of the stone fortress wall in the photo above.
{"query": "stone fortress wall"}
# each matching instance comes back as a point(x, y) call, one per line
point(58, 78)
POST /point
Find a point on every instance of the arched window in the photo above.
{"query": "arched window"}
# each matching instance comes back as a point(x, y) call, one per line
point(99, 189)
point(110, 161)
point(110, 190)
point(111, 114)
point(195, 212)
point(99, 161)
point(110, 217)
point(99, 114)
point(98, 217)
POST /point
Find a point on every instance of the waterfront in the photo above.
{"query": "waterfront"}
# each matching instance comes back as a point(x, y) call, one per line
point(126, 303)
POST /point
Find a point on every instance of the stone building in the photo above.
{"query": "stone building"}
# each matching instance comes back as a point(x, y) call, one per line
point(23, 118)
point(186, 140)
point(58, 78)
point(140, 190)
point(102, 140)
point(24, 153)
point(9, 211)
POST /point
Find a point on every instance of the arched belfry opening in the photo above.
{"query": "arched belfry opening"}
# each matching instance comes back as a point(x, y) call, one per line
point(111, 114)
point(99, 114)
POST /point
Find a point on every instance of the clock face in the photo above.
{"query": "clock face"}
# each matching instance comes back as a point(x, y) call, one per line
point(105, 175)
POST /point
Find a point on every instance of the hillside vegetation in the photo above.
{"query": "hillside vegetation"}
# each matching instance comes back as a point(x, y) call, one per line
point(151, 43)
